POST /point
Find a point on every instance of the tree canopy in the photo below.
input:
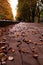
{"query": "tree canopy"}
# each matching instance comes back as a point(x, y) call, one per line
point(26, 10)
point(5, 10)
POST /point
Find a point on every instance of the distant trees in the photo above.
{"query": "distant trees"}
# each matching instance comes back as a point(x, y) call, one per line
point(27, 10)
point(5, 10)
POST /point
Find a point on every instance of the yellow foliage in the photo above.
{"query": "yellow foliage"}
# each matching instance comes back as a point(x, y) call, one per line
point(5, 10)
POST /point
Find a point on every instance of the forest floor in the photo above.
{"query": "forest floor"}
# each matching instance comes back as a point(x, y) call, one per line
point(25, 43)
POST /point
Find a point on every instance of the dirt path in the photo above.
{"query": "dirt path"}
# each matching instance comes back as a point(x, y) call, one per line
point(27, 41)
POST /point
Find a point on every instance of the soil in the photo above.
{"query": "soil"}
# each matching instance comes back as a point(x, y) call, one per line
point(25, 43)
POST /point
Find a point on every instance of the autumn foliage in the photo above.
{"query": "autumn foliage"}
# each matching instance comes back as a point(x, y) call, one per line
point(5, 10)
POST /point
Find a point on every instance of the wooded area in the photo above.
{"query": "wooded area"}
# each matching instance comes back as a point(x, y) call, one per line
point(28, 11)
point(21, 40)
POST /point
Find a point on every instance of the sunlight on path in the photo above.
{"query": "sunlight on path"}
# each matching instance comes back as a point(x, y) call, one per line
point(13, 4)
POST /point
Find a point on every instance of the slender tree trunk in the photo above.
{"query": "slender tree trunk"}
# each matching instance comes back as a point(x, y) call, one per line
point(33, 14)
point(38, 15)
